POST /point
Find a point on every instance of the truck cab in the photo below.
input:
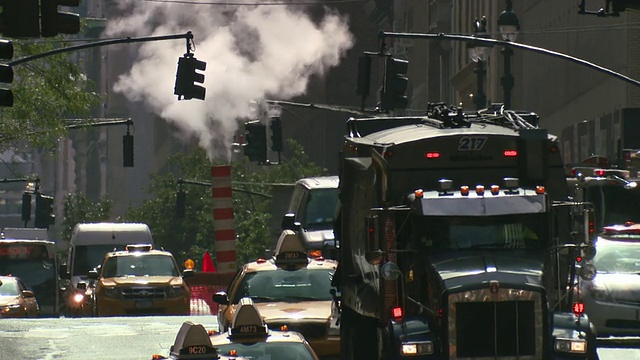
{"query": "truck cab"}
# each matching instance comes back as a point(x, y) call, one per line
point(311, 213)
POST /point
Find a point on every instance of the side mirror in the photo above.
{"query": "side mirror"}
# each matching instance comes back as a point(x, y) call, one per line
point(588, 252)
point(82, 285)
point(63, 271)
point(221, 298)
point(289, 222)
point(28, 294)
point(93, 274)
point(587, 272)
point(374, 257)
point(188, 273)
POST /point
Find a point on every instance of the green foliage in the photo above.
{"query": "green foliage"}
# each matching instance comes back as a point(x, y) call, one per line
point(46, 91)
point(191, 236)
point(79, 209)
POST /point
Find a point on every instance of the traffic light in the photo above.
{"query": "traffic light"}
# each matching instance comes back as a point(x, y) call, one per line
point(364, 76)
point(181, 203)
point(54, 22)
point(127, 150)
point(276, 134)
point(20, 18)
point(6, 73)
point(26, 207)
point(255, 147)
point(394, 95)
point(44, 211)
point(187, 78)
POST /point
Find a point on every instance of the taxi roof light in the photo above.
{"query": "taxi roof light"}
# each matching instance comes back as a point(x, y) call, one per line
point(289, 251)
point(247, 321)
point(192, 339)
point(139, 247)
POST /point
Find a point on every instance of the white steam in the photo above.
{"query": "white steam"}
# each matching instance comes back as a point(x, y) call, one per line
point(252, 53)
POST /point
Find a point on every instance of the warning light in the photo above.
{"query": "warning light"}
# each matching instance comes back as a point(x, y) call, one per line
point(510, 153)
point(540, 190)
point(495, 189)
point(578, 308)
point(464, 190)
point(579, 259)
point(419, 193)
point(480, 189)
point(233, 352)
point(315, 253)
point(189, 264)
point(432, 155)
point(397, 313)
point(284, 328)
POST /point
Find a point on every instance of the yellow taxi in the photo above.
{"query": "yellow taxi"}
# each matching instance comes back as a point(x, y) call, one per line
point(291, 291)
point(16, 300)
point(247, 338)
point(141, 281)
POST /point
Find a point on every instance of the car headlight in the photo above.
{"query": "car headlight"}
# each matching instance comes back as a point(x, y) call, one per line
point(571, 346)
point(111, 292)
point(11, 308)
point(600, 295)
point(416, 348)
point(176, 291)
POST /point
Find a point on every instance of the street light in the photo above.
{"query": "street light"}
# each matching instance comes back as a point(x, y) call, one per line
point(479, 54)
point(509, 26)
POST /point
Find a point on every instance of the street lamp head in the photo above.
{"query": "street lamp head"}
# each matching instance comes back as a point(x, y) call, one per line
point(508, 23)
point(478, 51)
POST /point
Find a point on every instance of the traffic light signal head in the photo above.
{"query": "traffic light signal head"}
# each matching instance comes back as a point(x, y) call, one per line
point(44, 211)
point(20, 18)
point(54, 22)
point(26, 207)
point(181, 203)
point(394, 95)
point(255, 147)
point(276, 134)
point(6, 73)
point(187, 78)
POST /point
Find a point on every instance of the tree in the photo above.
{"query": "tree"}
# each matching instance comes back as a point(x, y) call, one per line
point(191, 236)
point(46, 91)
point(78, 209)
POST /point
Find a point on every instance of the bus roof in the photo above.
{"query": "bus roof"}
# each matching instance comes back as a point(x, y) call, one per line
point(111, 233)
point(319, 182)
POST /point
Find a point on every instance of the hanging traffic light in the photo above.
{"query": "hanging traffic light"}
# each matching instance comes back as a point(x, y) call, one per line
point(20, 18)
point(255, 147)
point(187, 79)
point(276, 134)
point(44, 211)
point(394, 94)
point(26, 207)
point(6, 73)
point(54, 22)
point(364, 76)
point(181, 203)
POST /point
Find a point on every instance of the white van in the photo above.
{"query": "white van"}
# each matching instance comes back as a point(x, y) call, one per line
point(91, 241)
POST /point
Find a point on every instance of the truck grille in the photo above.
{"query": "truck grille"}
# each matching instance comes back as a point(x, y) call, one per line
point(503, 324)
point(144, 293)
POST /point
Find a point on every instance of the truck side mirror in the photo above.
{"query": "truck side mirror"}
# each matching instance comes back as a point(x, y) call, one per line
point(187, 273)
point(93, 274)
point(221, 298)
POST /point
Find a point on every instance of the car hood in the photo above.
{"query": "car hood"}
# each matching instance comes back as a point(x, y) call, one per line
point(142, 280)
point(461, 268)
point(8, 300)
point(618, 287)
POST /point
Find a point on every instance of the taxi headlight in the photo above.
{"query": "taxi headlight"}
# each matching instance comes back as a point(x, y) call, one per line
point(600, 294)
point(176, 291)
point(10, 308)
point(417, 348)
point(111, 292)
point(571, 346)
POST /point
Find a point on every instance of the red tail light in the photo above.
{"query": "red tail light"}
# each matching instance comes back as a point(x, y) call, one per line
point(397, 313)
point(578, 309)
point(510, 153)
point(432, 155)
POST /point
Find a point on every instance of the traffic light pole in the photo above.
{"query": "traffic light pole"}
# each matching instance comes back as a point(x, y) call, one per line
point(508, 44)
point(188, 35)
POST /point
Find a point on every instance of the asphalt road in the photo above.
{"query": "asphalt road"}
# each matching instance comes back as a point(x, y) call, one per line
point(134, 338)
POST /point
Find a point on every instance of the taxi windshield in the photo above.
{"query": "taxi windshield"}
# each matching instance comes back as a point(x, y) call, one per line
point(267, 350)
point(8, 287)
point(617, 257)
point(285, 285)
point(140, 265)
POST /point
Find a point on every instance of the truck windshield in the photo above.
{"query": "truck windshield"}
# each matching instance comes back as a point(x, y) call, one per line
point(614, 205)
point(320, 209)
point(490, 232)
point(88, 257)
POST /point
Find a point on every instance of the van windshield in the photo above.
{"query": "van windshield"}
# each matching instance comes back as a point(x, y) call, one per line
point(87, 257)
point(320, 209)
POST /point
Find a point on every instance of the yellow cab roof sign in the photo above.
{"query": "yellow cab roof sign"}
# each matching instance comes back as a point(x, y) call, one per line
point(192, 342)
point(247, 322)
point(289, 250)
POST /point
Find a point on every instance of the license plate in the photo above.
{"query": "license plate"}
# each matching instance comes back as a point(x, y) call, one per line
point(143, 304)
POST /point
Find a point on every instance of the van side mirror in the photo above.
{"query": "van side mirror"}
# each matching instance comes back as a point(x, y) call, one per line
point(63, 271)
point(221, 298)
point(289, 222)
point(93, 274)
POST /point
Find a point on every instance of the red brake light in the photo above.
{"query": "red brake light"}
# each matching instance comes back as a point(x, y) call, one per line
point(432, 155)
point(397, 313)
point(510, 153)
point(579, 259)
point(598, 172)
point(578, 309)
